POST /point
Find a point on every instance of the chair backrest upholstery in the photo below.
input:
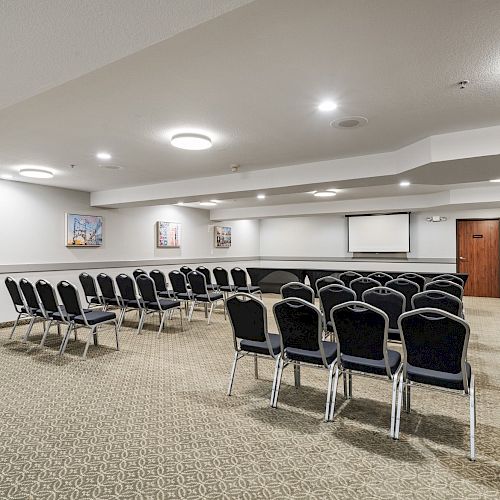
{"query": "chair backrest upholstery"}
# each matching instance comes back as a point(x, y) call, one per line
point(300, 324)
point(348, 276)
point(381, 277)
point(415, 278)
point(197, 282)
point(160, 281)
point(138, 272)
point(361, 330)
point(450, 277)
point(88, 284)
point(14, 292)
point(298, 290)
point(106, 286)
point(327, 280)
point(70, 299)
point(47, 296)
point(392, 302)
point(126, 286)
point(29, 292)
point(446, 286)
point(239, 277)
point(147, 288)
point(434, 340)
point(178, 281)
point(333, 295)
point(185, 270)
point(221, 276)
point(206, 272)
point(359, 285)
point(437, 299)
point(406, 287)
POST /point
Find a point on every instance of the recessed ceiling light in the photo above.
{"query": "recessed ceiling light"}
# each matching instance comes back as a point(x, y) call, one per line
point(324, 194)
point(327, 106)
point(207, 203)
point(103, 156)
point(495, 180)
point(36, 173)
point(180, 203)
point(261, 196)
point(214, 201)
point(404, 183)
point(194, 142)
point(7, 176)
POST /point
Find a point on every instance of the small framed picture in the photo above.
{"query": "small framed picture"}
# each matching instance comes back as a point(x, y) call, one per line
point(168, 234)
point(83, 230)
point(222, 236)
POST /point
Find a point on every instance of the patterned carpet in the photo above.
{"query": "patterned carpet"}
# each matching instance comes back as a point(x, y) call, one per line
point(153, 421)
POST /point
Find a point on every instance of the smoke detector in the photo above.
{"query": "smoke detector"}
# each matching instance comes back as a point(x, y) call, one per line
point(235, 168)
point(349, 122)
point(111, 167)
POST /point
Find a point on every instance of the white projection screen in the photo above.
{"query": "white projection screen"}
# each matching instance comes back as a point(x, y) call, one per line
point(379, 233)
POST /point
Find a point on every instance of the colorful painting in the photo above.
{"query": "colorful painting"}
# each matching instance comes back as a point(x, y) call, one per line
point(83, 230)
point(222, 236)
point(168, 234)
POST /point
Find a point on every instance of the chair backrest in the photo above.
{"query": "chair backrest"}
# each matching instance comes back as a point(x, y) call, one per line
point(160, 281)
point(450, 277)
point(206, 272)
point(14, 292)
point(239, 277)
point(106, 286)
point(147, 288)
point(434, 340)
point(415, 278)
point(29, 292)
point(138, 272)
point(221, 276)
point(70, 298)
point(437, 299)
point(88, 284)
point(359, 285)
point(381, 277)
point(347, 276)
point(47, 296)
point(185, 270)
point(298, 290)
point(333, 295)
point(361, 330)
point(392, 302)
point(248, 316)
point(446, 286)
point(178, 281)
point(406, 287)
point(126, 286)
point(197, 282)
point(327, 280)
point(300, 325)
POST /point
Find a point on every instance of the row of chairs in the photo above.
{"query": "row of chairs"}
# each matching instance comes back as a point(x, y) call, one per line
point(434, 346)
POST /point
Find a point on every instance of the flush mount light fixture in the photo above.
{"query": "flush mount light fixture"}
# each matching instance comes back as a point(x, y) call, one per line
point(214, 201)
point(404, 183)
point(495, 180)
point(325, 194)
point(6, 176)
point(193, 142)
point(180, 203)
point(103, 156)
point(207, 203)
point(327, 105)
point(261, 196)
point(36, 173)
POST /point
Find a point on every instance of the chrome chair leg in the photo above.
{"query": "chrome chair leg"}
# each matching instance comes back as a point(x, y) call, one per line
point(141, 321)
point(344, 378)
point(233, 371)
point(395, 380)
point(210, 313)
point(65, 339)
point(191, 310)
point(329, 392)
point(161, 322)
point(30, 327)
point(296, 374)
point(273, 390)
point(334, 394)
point(398, 409)
point(46, 332)
point(91, 334)
point(116, 335)
point(349, 384)
point(472, 413)
point(256, 367)
point(180, 314)
point(274, 404)
point(15, 326)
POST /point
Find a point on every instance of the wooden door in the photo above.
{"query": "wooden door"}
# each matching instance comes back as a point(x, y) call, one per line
point(478, 254)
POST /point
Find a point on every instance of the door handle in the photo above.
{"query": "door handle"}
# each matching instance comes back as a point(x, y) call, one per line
point(462, 258)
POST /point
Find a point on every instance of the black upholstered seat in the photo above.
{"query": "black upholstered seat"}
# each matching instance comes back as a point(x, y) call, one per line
point(314, 357)
point(375, 366)
point(95, 317)
point(163, 304)
point(198, 283)
point(209, 297)
point(261, 347)
point(438, 378)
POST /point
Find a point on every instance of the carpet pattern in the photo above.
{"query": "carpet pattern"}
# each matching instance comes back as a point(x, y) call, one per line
point(153, 421)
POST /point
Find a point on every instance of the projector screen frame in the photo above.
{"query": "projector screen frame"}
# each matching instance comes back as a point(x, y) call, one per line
point(347, 216)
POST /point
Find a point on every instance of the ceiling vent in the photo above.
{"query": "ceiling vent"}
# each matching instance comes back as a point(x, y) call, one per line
point(350, 122)
point(111, 167)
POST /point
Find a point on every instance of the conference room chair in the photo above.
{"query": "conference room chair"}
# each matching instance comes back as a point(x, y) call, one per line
point(76, 316)
point(251, 337)
point(180, 288)
point(201, 294)
point(416, 278)
point(361, 332)
point(161, 284)
point(392, 302)
point(359, 285)
point(406, 287)
point(152, 303)
point(446, 286)
point(128, 298)
point(325, 281)
point(240, 280)
point(20, 306)
point(90, 290)
point(381, 277)
point(33, 304)
point(138, 272)
point(438, 300)
point(450, 277)
point(435, 357)
point(347, 276)
point(298, 290)
point(185, 270)
point(108, 292)
point(331, 296)
point(300, 327)
point(222, 279)
point(208, 278)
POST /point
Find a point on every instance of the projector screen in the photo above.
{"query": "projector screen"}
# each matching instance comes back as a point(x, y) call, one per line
point(379, 233)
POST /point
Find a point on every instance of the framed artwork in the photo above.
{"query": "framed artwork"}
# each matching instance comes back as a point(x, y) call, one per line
point(83, 230)
point(168, 234)
point(222, 236)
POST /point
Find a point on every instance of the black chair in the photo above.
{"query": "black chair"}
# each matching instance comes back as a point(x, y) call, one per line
point(77, 316)
point(20, 306)
point(450, 277)
point(33, 304)
point(108, 293)
point(437, 299)
point(347, 276)
point(298, 290)
point(360, 285)
point(161, 284)
point(248, 317)
point(331, 296)
point(435, 356)
point(180, 288)
point(208, 278)
point(406, 287)
point(381, 277)
point(416, 278)
point(325, 281)
point(90, 290)
point(185, 270)
point(128, 298)
point(300, 326)
point(361, 331)
point(392, 302)
point(240, 281)
point(138, 272)
point(203, 295)
point(446, 286)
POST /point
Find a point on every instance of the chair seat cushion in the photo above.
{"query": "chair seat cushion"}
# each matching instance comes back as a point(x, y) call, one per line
point(57, 317)
point(227, 288)
point(210, 297)
point(94, 300)
point(248, 289)
point(184, 296)
point(437, 378)
point(166, 294)
point(95, 317)
point(261, 347)
point(112, 302)
point(134, 304)
point(375, 366)
point(212, 288)
point(163, 304)
point(313, 357)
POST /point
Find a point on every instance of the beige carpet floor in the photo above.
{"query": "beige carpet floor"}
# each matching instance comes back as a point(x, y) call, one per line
point(153, 421)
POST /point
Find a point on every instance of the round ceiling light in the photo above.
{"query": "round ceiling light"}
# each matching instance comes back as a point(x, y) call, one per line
point(404, 183)
point(6, 176)
point(350, 122)
point(261, 196)
point(36, 173)
point(327, 106)
point(325, 194)
point(495, 180)
point(103, 156)
point(193, 142)
point(207, 203)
